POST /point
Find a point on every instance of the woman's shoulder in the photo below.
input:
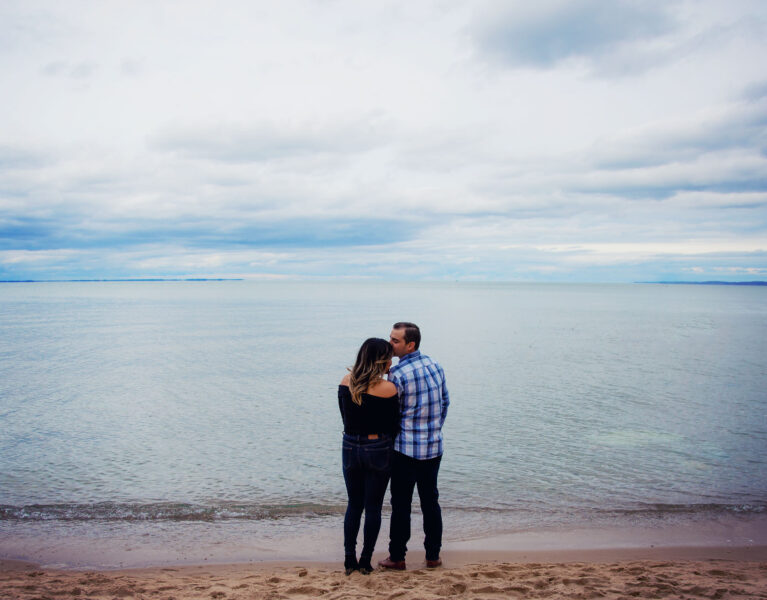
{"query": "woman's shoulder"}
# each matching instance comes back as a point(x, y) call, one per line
point(383, 389)
point(346, 379)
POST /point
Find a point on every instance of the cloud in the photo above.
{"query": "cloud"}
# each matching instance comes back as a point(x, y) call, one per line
point(739, 125)
point(82, 232)
point(755, 91)
point(721, 150)
point(726, 172)
point(15, 157)
point(612, 39)
point(80, 70)
point(24, 23)
point(544, 34)
point(131, 67)
point(335, 139)
point(269, 140)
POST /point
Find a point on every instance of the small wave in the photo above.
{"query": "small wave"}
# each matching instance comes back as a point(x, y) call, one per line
point(229, 511)
point(650, 509)
point(638, 510)
point(164, 511)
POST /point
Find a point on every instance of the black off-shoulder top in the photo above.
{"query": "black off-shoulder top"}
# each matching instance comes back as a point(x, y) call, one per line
point(375, 415)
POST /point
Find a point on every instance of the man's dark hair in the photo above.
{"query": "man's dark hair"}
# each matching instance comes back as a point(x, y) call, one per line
point(412, 333)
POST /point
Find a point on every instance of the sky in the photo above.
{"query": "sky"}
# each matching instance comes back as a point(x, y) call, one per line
point(497, 140)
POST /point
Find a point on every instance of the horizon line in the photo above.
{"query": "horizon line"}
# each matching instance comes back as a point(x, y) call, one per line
point(202, 279)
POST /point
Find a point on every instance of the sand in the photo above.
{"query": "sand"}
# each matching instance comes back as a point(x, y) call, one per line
point(650, 573)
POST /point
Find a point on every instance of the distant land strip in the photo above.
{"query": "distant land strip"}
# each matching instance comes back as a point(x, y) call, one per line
point(706, 282)
point(242, 279)
point(104, 280)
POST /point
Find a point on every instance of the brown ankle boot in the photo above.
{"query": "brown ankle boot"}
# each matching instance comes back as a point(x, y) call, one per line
point(388, 563)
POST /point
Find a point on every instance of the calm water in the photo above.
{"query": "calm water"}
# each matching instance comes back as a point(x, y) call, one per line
point(153, 405)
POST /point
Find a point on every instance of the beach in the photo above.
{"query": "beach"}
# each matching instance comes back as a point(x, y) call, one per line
point(671, 572)
point(165, 441)
point(712, 560)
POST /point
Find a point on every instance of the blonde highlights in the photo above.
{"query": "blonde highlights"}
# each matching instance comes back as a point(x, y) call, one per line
point(370, 366)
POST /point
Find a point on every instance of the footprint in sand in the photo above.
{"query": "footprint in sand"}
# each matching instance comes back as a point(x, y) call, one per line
point(448, 591)
point(307, 590)
point(126, 592)
point(542, 584)
point(488, 589)
point(520, 589)
point(492, 574)
point(729, 574)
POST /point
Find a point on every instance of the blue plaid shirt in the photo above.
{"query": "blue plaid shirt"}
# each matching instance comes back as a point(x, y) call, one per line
point(423, 401)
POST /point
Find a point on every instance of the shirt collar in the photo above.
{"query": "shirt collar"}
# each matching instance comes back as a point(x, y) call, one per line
point(409, 357)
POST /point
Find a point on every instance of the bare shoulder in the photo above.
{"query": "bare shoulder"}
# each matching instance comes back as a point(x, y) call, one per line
point(346, 379)
point(383, 388)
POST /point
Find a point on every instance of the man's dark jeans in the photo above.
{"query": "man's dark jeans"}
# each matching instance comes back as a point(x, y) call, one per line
point(406, 474)
point(367, 466)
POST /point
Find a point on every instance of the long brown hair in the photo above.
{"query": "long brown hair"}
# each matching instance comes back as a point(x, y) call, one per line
point(372, 359)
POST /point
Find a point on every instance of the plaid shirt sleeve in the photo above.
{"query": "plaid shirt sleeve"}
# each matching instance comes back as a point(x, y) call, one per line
point(424, 400)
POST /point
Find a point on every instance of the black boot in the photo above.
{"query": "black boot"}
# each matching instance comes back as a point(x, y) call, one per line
point(364, 565)
point(351, 564)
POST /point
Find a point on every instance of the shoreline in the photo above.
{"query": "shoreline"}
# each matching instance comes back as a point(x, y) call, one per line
point(149, 545)
point(456, 558)
point(689, 560)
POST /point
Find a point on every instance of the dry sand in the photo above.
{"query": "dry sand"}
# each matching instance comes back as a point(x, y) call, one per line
point(690, 573)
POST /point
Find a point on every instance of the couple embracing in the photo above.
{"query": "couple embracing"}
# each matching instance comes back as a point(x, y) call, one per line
point(392, 429)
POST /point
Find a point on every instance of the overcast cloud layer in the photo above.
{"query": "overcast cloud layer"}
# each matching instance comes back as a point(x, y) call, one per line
point(573, 140)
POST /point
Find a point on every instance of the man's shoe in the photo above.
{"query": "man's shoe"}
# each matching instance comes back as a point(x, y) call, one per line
point(433, 564)
point(388, 563)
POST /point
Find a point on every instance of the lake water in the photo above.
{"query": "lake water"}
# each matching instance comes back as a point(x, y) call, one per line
point(200, 413)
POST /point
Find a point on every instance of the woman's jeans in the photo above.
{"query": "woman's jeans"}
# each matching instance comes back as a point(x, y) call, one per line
point(367, 467)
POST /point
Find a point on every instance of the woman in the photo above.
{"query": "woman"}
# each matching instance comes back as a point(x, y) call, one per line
point(370, 412)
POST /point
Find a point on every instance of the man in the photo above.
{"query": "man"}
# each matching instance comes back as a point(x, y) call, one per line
point(423, 402)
